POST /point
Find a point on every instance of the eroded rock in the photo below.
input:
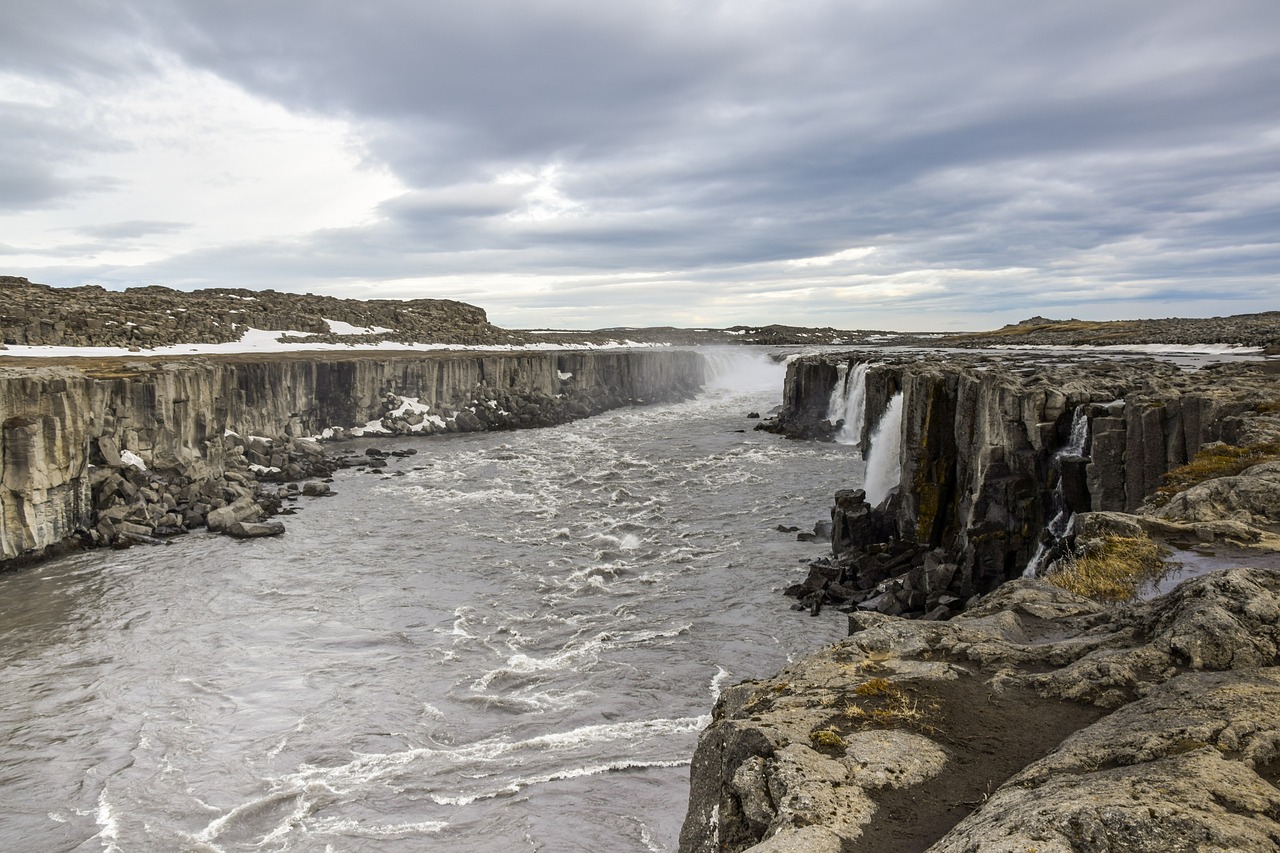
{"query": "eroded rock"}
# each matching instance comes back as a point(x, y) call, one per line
point(932, 714)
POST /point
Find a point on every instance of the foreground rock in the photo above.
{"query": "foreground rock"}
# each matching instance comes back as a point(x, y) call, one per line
point(1036, 720)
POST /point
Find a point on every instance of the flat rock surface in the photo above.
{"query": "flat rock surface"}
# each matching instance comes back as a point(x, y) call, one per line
point(1038, 716)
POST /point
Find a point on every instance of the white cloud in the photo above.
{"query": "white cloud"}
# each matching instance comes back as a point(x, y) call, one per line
point(185, 146)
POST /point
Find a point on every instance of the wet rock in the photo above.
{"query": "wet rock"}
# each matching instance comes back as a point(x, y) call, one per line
point(242, 510)
point(254, 530)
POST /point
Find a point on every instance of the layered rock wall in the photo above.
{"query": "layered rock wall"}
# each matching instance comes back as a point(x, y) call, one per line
point(58, 423)
point(982, 441)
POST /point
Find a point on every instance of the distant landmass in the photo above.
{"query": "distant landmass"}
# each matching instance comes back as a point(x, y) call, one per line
point(143, 318)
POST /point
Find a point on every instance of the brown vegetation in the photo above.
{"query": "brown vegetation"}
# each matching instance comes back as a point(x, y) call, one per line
point(1110, 571)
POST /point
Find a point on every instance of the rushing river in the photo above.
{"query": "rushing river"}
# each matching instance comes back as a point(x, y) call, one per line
point(505, 642)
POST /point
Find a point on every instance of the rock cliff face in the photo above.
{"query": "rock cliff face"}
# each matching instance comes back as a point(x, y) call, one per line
point(63, 427)
point(987, 460)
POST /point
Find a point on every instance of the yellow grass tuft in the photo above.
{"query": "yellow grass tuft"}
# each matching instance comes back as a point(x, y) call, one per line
point(1217, 460)
point(1112, 571)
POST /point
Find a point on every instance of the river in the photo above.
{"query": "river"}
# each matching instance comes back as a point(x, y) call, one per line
point(503, 642)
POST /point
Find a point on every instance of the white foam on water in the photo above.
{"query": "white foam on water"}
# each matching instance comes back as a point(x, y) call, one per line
point(740, 371)
point(105, 816)
point(347, 827)
point(520, 783)
point(853, 405)
point(717, 682)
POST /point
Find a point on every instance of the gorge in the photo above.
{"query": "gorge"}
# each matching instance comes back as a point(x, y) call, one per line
point(1016, 715)
point(482, 637)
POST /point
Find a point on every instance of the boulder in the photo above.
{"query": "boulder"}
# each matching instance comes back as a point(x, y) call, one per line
point(1252, 497)
point(254, 530)
point(243, 509)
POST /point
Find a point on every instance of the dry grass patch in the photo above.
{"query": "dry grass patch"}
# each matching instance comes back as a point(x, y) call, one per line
point(1216, 460)
point(1111, 570)
point(881, 702)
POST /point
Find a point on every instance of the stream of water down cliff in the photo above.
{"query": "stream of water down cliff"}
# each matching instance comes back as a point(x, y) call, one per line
point(513, 646)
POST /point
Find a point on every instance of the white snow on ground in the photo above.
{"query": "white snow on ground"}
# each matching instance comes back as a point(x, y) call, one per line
point(257, 340)
point(128, 457)
point(407, 405)
point(338, 327)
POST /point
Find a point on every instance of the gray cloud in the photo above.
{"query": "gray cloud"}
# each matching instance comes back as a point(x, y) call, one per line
point(132, 229)
point(1112, 156)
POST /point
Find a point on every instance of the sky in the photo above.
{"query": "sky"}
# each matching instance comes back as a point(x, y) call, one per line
point(917, 165)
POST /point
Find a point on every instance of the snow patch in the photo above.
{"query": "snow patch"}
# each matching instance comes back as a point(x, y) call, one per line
point(128, 457)
point(263, 341)
point(338, 327)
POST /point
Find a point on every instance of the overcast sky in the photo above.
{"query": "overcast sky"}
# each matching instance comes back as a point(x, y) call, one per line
point(894, 164)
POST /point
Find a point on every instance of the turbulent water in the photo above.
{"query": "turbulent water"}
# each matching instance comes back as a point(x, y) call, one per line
point(511, 645)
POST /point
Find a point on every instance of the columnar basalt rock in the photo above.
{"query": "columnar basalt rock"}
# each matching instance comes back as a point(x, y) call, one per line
point(983, 469)
point(139, 449)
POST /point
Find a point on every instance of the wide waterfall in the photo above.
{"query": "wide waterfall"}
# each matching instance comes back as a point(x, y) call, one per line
point(849, 402)
point(884, 466)
point(1063, 516)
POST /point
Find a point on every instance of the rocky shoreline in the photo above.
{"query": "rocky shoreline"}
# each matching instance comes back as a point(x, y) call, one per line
point(974, 709)
point(1036, 720)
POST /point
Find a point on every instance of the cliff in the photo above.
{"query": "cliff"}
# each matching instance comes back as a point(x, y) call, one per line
point(103, 449)
point(1017, 715)
point(987, 461)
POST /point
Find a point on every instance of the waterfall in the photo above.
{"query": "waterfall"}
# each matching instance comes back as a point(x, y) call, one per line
point(884, 459)
point(849, 402)
point(837, 402)
point(1063, 518)
point(739, 370)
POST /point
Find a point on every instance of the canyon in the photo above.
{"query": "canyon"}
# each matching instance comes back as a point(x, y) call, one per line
point(150, 444)
point(974, 706)
point(1008, 713)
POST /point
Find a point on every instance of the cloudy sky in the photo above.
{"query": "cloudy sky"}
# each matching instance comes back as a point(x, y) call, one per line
point(907, 164)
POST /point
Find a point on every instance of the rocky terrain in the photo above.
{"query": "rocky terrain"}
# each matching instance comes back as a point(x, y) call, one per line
point(1037, 720)
point(1252, 330)
point(1016, 715)
point(144, 317)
